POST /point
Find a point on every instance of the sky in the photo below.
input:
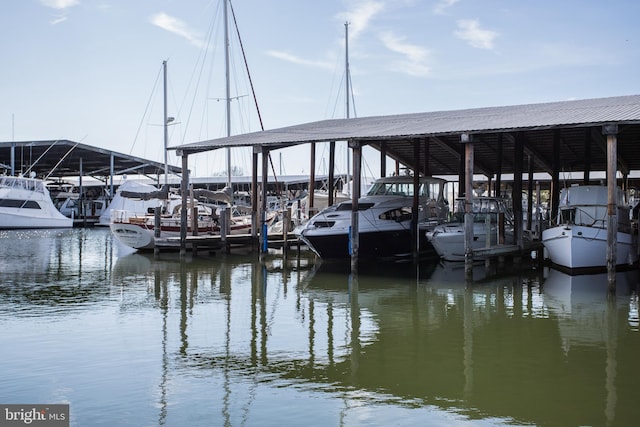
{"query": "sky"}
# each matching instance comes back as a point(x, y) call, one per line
point(90, 71)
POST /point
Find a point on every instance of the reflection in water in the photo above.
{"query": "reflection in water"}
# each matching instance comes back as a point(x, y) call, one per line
point(232, 339)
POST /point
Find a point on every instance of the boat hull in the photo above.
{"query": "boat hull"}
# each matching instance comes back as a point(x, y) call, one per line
point(10, 221)
point(133, 235)
point(141, 235)
point(449, 245)
point(580, 247)
point(382, 245)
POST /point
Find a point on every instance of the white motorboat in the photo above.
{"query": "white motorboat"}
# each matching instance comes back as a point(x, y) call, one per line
point(448, 239)
point(26, 203)
point(384, 222)
point(579, 241)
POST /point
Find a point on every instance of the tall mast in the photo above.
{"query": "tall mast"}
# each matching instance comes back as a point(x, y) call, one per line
point(347, 89)
point(346, 64)
point(228, 87)
point(165, 124)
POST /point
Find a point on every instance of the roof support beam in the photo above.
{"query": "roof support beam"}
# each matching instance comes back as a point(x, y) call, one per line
point(600, 141)
point(531, 150)
point(479, 167)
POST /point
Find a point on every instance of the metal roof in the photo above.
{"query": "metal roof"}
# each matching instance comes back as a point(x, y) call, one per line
point(572, 123)
point(61, 158)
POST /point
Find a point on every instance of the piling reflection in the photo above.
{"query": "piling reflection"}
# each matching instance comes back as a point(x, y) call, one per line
point(535, 347)
point(515, 346)
point(55, 270)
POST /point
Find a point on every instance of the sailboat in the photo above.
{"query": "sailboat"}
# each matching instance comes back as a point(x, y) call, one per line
point(139, 231)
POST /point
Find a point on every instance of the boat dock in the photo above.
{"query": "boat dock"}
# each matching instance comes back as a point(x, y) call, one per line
point(218, 242)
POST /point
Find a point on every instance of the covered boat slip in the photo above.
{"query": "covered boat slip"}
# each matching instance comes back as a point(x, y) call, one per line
point(582, 136)
point(64, 159)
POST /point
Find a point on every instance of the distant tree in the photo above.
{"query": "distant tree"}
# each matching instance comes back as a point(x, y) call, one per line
point(235, 171)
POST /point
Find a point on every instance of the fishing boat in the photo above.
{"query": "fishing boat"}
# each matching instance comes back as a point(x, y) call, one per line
point(492, 225)
point(385, 215)
point(579, 240)
point(26, 203)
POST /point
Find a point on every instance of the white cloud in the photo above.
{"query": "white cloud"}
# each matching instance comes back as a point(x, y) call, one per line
point(470, 31)
point(176, 26)
point(59, 4)
point(441, 7)
point(300, 61)
point(59, 19)
point(414, 62)
point(360, 16)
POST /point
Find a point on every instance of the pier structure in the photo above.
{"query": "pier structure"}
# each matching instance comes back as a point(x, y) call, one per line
point(585, 137)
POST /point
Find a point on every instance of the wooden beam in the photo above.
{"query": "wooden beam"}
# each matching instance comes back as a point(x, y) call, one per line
point(602, 143)
point(479, 167)
point(611, 131)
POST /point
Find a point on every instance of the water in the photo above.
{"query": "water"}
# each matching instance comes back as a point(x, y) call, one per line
point(129, 340)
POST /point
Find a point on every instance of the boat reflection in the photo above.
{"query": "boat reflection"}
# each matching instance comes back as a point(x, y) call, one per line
point(496, 348)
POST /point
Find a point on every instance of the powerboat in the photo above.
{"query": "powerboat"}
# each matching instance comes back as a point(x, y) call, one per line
point(384, 223)
point(26, 203)
point(579, 241)
point(448, 239)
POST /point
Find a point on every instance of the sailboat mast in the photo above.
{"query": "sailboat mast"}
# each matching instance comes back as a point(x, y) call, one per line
point(347, 89)
point(346, 64)
point(228, 87)
point(165, 124)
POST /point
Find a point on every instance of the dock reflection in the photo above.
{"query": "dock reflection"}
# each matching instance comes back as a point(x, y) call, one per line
point(506, 346)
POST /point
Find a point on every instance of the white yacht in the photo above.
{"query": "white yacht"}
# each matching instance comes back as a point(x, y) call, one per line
point(384, 223)
point(26, 203)
point(579, 241)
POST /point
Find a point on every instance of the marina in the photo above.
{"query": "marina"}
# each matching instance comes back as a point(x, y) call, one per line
point(131, 339)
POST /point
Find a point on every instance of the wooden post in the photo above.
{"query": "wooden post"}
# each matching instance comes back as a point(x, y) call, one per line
point(587, 156)
point(555, 176)
point(355, 194)
point(225, 222)
point(286, 222)
point(383, 159)
point(254, 193)
point(427, 169)
point(415, 245)
point(312, 176)
point(530, 196)
point(467, 140)
point(263, 208)
point(518, 151)
point(194, 225)
point(332, 161)
point(497, 190)
point(156, 227)
point(611, 132)
point(184, 185)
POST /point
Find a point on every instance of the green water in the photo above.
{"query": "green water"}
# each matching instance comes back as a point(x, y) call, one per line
point(131, 340)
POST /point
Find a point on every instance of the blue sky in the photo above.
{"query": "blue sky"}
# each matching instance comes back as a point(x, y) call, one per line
point(89, 70)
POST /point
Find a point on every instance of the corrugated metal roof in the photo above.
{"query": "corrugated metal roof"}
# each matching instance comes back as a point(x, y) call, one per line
point(442, 129)
point(625, 109)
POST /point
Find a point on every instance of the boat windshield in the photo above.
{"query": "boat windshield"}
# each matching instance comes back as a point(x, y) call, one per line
point(20, 183)
point(430, 190)
point(483, 207)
